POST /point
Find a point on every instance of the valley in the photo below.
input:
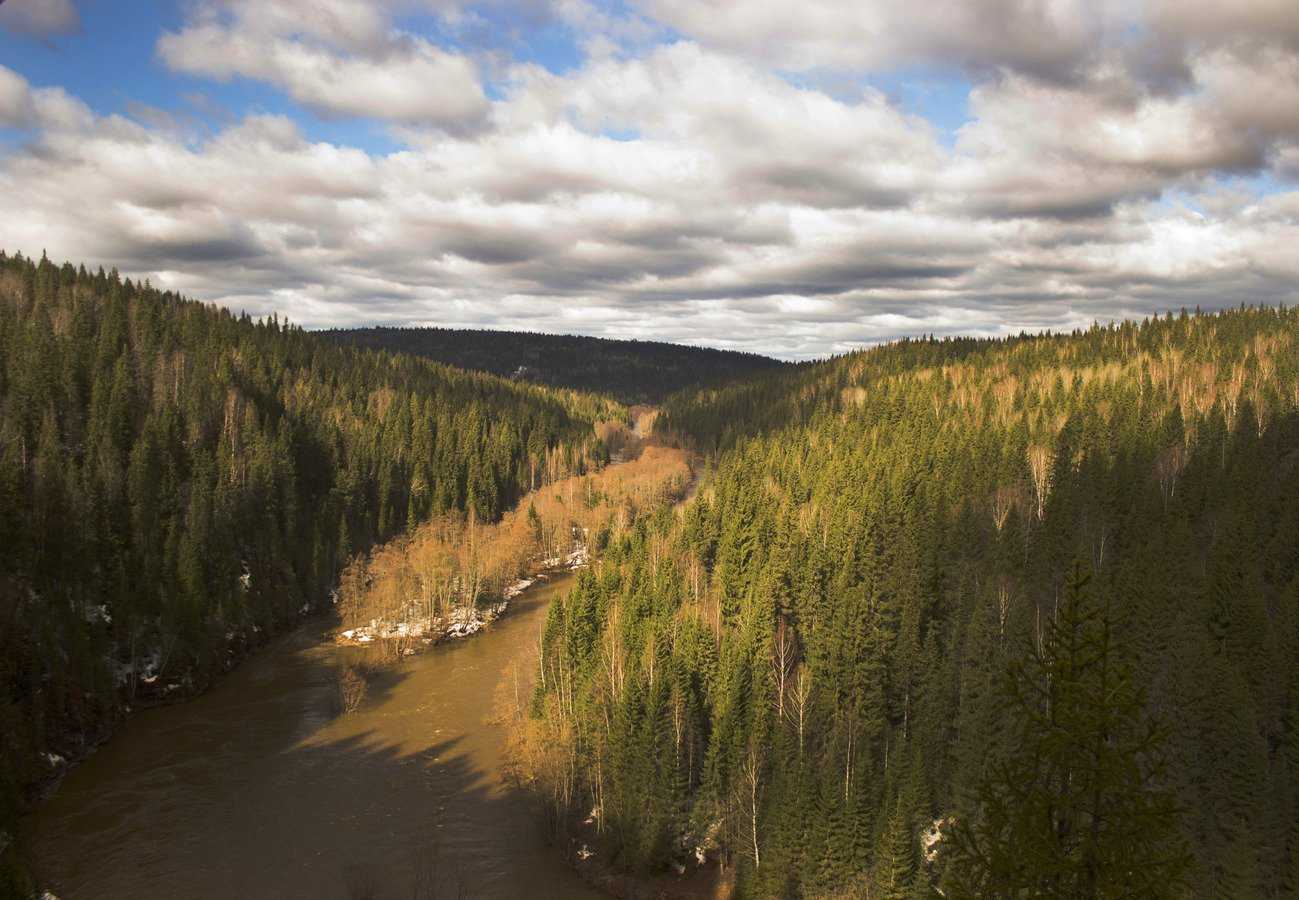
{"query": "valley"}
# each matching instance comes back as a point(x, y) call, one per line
point(655, 450)
point(852, 628)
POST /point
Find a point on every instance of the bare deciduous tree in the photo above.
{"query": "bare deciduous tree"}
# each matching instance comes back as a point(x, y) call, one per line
point(1040, 458)
point(800, 700)
point(784, 656)
point(1004, 500)
point(751, 784)
point(1168, 467)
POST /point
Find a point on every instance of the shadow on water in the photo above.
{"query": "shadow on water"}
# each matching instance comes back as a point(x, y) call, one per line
point(260, 788)
point(403, 826)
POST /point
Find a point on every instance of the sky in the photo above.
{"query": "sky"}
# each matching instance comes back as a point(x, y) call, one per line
point(795, 179)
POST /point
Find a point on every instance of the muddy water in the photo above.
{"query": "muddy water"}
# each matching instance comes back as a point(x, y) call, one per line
point(257, 789)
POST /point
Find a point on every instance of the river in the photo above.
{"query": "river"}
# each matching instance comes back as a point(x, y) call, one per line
point(258, 789)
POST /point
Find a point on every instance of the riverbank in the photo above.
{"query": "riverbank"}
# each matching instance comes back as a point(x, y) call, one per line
point(695, 875)
point(692, 880)
point(80, 743)
point(100, 808)
point(259, 788)
point(414, 635)
point(452, 577)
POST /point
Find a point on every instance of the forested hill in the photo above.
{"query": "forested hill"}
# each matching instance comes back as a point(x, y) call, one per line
point(630, 371)
point(1039, 595)
point(178, 482)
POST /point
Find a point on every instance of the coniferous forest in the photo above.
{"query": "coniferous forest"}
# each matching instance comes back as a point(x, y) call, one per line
point(1013, 618)
point(178, 483)
point(629, 371)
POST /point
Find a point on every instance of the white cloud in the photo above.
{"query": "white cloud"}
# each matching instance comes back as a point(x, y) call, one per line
point(688, 191)
point(1046, 37)
point(341, 58)
point(21, 106)
point(15, 99)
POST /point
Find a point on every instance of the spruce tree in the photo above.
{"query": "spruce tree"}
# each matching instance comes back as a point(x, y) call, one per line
point(1076, 809)
point(895, 863)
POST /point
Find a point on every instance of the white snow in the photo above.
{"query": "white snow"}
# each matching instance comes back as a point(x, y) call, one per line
point(518, 588)
point(461, 622)
point(98, 614)
point(574, 560)
point(578, 558)
point(930, 839)
point(148, 668)
point(464, 620)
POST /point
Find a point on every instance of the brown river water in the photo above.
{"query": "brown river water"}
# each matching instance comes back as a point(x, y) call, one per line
point(257, 789)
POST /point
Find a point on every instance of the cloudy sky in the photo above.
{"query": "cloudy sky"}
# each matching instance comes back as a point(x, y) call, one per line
point(794, 178)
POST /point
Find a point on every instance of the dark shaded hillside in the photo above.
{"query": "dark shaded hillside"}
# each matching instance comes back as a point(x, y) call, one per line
point(886, 610)
point(177, 483)
point(629, 371)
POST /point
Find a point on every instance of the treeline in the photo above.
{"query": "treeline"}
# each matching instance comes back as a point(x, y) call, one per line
point(630, 371)
point(177, 482)
point(1002, 618)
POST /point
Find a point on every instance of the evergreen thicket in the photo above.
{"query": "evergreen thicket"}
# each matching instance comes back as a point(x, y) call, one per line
point(804, 671)
point(1077, 807)
point(178, 482)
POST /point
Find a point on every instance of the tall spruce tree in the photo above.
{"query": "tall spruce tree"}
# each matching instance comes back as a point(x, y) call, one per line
point(1076, 809)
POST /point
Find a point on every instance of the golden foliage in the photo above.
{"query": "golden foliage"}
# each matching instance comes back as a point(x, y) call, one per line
point(452, 561)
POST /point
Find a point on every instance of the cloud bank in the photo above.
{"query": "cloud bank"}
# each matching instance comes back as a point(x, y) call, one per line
point(695, 178)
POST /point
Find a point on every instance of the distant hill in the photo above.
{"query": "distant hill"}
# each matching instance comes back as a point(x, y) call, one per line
point(630, 371)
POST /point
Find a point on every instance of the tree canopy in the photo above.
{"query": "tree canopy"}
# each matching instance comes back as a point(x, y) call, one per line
point(804, 670)
point(178, 482)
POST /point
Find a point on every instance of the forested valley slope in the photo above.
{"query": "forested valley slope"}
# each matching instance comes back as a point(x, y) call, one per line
point(1011, 618)
point(997, 618)
point(632, 372)
point(178, 483)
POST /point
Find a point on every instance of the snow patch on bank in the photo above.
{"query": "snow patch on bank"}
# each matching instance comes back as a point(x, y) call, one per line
point(462, 621)
point(580, 557)
point(145, 670)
